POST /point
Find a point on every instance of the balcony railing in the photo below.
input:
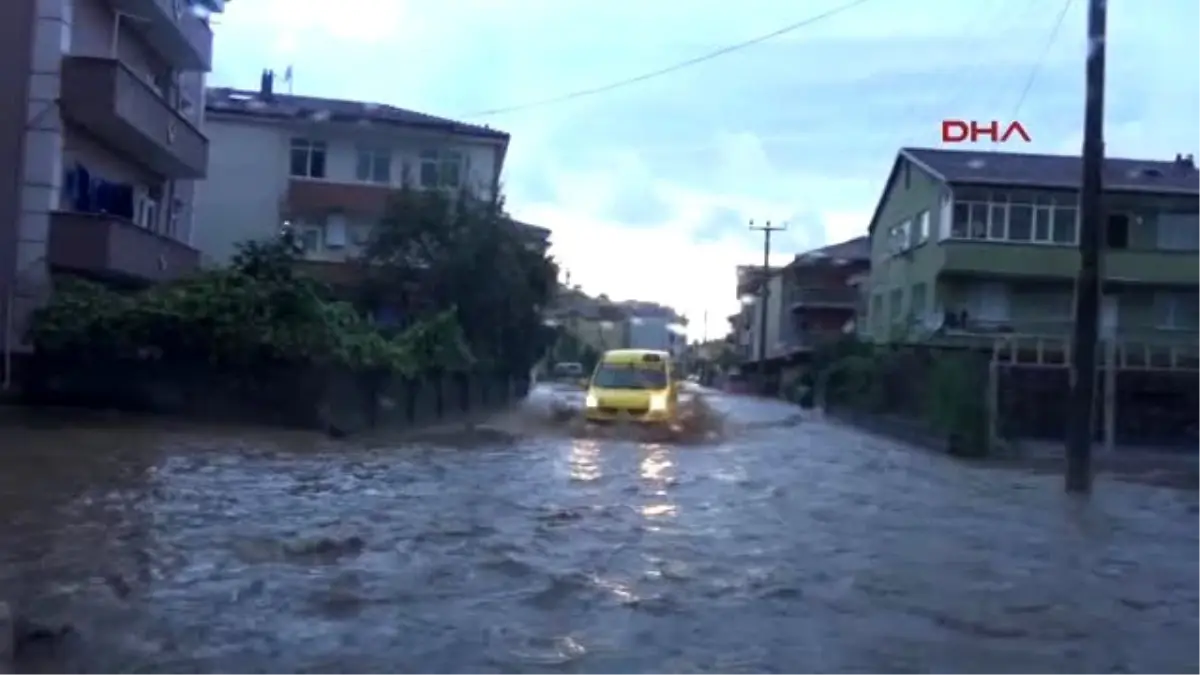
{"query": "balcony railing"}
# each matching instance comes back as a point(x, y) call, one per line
point(105, 97)
point(109, 247)
point(833, 298)
point(172, 29)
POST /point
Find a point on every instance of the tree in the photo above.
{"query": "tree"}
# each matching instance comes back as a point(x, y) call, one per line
point(255, 313)
point(436, 251)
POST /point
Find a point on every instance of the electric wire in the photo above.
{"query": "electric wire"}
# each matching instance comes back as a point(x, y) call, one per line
point(728, 49)
point(921, 123)
point(1037, 65)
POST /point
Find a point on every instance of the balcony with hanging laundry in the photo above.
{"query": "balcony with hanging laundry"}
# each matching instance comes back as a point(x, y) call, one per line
point(115, 232)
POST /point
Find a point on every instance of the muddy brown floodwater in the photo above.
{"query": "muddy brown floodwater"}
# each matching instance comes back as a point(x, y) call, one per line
point(783, 545)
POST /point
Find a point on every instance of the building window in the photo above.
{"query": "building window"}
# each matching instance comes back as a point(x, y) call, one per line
point(919, 303)
point(896, 305)
point(1116, 234)
point(922, 221)
point(309, 239)
point(1021, 221)
point(899, 237)
point(1177, 232)
point(308, 158)
point(1177, 310)
point(374, 166)
point(989, 303)
point(442, 169)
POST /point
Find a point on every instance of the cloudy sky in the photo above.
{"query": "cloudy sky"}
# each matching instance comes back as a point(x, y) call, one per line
point(649, 188)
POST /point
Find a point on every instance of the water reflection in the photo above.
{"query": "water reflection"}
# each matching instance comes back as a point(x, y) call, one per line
point(657, 471)
point(74, 499)
point(656, 465)
point(585, 456)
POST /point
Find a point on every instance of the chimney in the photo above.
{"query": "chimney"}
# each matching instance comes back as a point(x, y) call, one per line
point(267, 85)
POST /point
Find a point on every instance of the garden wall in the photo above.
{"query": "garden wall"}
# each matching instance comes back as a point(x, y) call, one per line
point(285, 396)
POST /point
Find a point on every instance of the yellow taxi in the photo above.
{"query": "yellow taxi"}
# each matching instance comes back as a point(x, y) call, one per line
point(632, 384)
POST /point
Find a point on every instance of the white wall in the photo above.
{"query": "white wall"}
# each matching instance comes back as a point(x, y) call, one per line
point(248, 174)
point(247, 178)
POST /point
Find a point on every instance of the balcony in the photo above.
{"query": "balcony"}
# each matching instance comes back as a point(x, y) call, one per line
point(308, 197)
point(172, 29)
point(825, 298)
point(1062, 263)
point(107, 247)
point(125, 113)
point(1008, 260)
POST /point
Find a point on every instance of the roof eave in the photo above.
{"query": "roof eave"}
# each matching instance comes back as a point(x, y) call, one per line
point(1042, 185)
point(447, 127)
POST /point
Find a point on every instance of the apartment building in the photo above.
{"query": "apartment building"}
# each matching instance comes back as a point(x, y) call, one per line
point(325, 168)
point(820, 300)
point(101, 142)
point(966, 246)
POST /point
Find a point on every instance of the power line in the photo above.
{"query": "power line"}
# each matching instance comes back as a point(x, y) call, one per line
point(672, 68)
point(1037, 65)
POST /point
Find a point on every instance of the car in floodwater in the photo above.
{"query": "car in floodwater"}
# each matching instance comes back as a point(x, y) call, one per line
point(636, 385)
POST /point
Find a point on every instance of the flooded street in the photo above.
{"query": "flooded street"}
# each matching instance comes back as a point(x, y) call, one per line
point(787, 545)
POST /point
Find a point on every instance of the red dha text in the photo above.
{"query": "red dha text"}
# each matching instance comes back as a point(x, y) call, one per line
point(971, 131)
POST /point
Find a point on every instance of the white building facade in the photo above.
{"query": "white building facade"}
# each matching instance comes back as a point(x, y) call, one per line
point(325, 167)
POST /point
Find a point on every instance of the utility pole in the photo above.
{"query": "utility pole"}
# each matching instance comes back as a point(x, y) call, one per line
point(763, 293)
point(1091, 242)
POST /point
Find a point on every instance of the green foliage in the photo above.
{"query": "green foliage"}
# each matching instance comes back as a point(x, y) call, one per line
point(955, 404)
point(941, 388)
point(854, 381)
point(257, 311)
point(452, 252)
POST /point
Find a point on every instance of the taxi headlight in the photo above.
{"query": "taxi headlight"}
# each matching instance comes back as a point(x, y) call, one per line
point(658, 402)
point(591, 401)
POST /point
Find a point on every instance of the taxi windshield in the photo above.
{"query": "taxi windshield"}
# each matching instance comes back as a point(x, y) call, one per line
point(621, 376)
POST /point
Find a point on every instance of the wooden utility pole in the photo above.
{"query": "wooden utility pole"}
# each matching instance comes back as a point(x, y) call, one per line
point(764, 292)
point(1091, 244)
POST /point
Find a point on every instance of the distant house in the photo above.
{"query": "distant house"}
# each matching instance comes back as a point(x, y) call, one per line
point(327, 167)
point(975, 244)
point(810, 301)
point(820, 296)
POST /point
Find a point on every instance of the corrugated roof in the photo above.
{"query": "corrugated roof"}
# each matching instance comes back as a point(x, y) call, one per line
point(1178, 176)
point(255, 104)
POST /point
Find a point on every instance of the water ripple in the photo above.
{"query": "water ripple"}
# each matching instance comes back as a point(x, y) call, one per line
point(791, 546)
